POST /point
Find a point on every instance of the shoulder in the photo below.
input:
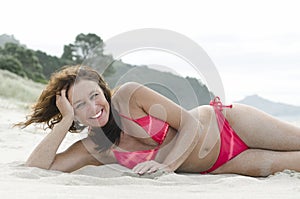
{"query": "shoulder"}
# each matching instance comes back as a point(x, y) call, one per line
point(128, 87)
point(125, 92)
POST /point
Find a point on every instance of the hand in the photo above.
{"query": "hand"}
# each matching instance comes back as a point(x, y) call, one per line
point(64, 106)
point(149, 167)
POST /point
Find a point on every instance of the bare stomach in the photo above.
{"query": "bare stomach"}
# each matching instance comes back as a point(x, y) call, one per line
point(204, 154)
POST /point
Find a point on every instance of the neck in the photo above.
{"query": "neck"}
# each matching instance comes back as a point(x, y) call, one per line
point(109, 134)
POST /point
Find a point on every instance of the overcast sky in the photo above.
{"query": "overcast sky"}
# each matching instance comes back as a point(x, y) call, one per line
point(255, 44)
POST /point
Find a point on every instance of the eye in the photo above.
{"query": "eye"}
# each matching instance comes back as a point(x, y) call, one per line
point(93, 96)
point(80, 105)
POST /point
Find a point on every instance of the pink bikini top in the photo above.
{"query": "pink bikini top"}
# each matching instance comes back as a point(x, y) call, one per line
point(156, 128)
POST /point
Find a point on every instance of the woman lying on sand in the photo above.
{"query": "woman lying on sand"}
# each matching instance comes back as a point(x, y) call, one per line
point(146, 132)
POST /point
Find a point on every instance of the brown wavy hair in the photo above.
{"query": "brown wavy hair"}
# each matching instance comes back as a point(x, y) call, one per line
point(45, 110)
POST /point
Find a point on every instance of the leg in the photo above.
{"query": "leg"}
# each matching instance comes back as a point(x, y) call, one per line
point(262, 131)
point(256, 162)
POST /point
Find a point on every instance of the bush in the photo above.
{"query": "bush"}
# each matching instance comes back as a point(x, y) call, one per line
point(11, 64)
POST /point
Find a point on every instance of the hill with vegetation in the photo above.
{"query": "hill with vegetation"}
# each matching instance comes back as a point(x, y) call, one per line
point(268, 106)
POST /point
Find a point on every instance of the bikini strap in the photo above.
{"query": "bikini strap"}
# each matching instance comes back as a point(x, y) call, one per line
point(126, 117)
point(216, 103)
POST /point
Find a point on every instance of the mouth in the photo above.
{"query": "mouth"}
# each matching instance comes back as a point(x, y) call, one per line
point(98, 115)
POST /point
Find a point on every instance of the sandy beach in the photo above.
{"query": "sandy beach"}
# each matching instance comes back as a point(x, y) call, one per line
point(115, 181)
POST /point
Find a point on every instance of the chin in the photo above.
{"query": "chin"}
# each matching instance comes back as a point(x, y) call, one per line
point(100, 123)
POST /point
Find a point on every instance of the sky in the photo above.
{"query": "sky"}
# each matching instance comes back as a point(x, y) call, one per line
point(255, 45)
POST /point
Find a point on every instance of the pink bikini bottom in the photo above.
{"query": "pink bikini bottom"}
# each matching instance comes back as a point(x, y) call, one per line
point(231, 144)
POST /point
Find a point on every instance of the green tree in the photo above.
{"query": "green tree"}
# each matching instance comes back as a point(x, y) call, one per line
point(88, 50)
point(30, 62)
point(49, 63)
point(84, 46)
point(67, 57)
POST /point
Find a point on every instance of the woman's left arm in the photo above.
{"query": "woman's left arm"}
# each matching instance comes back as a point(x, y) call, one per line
point(187, 126)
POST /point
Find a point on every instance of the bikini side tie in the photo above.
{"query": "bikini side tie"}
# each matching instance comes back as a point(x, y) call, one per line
point(216, 102)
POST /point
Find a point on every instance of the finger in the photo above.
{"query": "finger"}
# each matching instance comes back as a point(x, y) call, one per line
point(63, 93)
point(138, 168)
point(149, 168)
point(57, 97)
point(153, 169)
point(141, 168)
point(144, 169)
point(156, 167)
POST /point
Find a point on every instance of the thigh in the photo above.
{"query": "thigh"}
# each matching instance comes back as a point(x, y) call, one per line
point(257, 162)
point(260, 130)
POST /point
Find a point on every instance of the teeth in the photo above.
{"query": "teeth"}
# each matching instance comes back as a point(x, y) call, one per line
point(97, 115)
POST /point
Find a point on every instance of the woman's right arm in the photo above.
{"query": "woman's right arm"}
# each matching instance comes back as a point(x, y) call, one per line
point(44, 154)
point(76, 156)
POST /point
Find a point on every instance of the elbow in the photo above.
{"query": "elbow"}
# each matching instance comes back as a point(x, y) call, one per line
point(34, 164)
point(46, 167)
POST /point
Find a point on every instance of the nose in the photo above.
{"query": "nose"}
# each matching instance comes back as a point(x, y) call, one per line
point(91, 107)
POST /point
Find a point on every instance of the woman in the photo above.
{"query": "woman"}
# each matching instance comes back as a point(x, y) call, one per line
point(142, 130)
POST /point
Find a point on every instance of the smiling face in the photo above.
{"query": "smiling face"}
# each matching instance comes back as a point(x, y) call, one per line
point(89, 103)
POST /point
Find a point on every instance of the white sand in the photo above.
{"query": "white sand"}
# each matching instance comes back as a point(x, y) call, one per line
point(112, 181)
